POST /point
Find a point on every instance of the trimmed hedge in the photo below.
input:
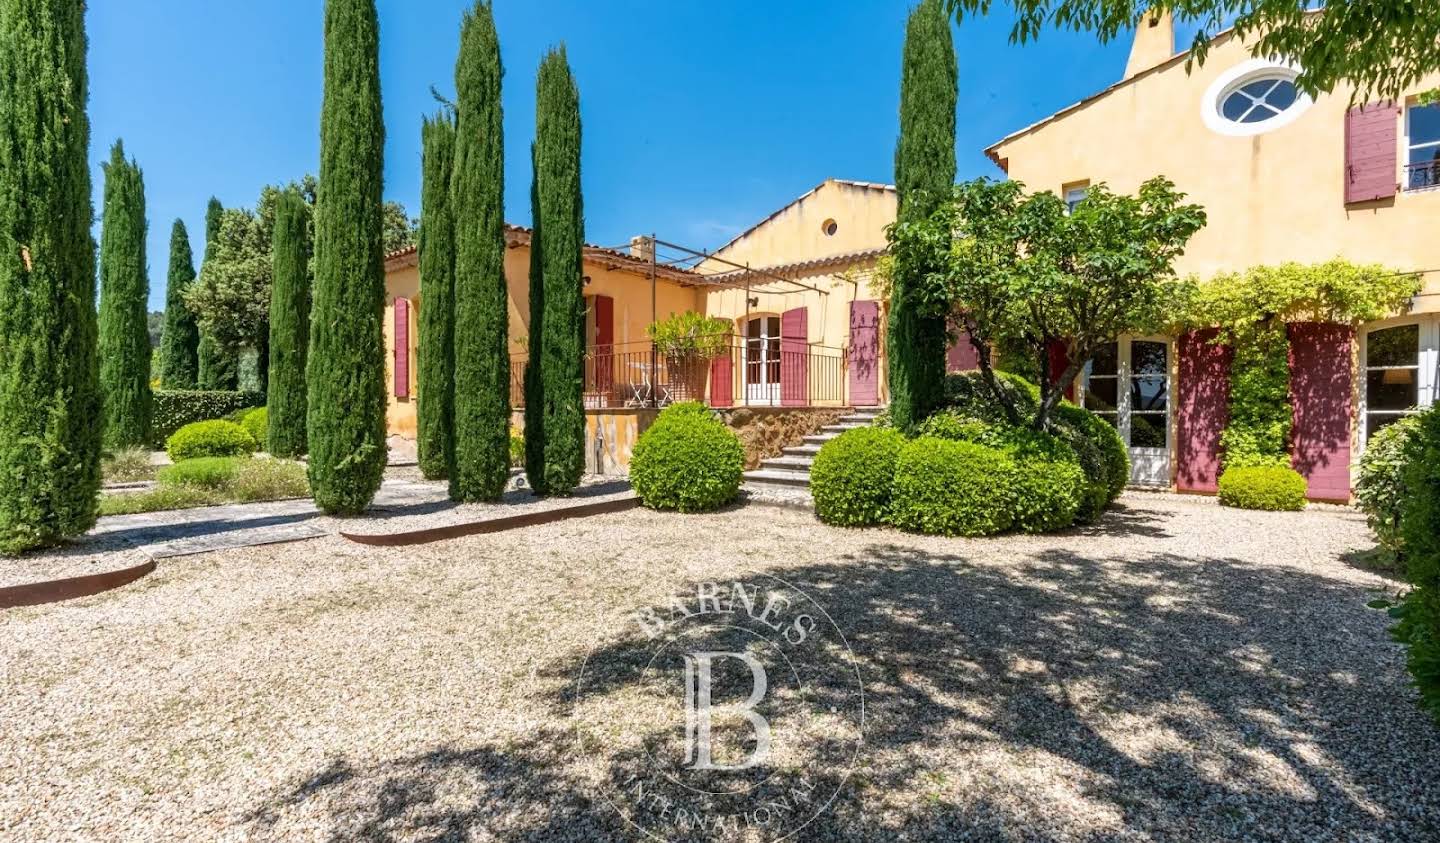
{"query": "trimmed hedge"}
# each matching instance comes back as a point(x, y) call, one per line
point(200, 472)
point(1107, 463)
point(853, 474)
point(1419, 627)
point(1272, 488)
point(1380, 488)
point(175, 408)
point(952, 488)
point(687, 461)
point(214, 438)
point(257, 423)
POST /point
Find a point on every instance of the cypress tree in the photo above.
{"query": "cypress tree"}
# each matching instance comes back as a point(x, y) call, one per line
point(346, 366)
point(218, 368)
point(437, 299)
point(924, 176)
point(562, 219)
point(124, 296)
point(49, 371)
point(482, 362)
point(289, 328)
point(179, 343)
point(534, 359)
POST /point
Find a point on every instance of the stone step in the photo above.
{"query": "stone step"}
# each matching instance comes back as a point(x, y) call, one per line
point(778, 478)
point(789, 463)
point(863, 421)
point(801, 451)
point(838, 429)
point(818, 439)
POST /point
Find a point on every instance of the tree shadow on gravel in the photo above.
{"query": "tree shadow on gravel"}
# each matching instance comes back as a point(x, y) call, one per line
point(1163, 697)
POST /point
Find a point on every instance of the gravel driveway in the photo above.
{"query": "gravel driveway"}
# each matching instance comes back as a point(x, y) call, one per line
point(1178, 672)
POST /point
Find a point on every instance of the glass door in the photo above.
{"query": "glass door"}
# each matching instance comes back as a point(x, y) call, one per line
point(762, 360)
point(1128, 385)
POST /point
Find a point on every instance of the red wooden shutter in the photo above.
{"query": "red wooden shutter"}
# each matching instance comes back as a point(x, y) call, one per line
point(794, 360)
point(1370, 152)
point(1320, 392)
point(962, 356)
point(1059, 362)
point(864, 353)
point(402, 348)
point(604, 352)
point(1203, 411)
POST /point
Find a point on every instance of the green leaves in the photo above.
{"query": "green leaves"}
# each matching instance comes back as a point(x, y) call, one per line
point(124, 294)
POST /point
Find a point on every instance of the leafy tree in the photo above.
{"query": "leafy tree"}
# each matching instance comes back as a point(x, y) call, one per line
point(232, 295)
point(124, 294)
point(289, 328)
point(482, 360)
point(437, 300)
point(924, 175)
point(1381, 47)
point(346, 366)
point(1017, 270)
point(155, 325)
point(399, 231)
point(561, 222)
point(219, 369)
point(49, 370)
point(179, 365)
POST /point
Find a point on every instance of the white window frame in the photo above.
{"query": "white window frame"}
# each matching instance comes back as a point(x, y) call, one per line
point(1074, 196)
point(1243, 74)
point(1410, 146)
point(1428, 368)
point(1158, 462)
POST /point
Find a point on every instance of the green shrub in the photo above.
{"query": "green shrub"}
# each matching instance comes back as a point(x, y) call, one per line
point(1380, 488)
point(128, 466)
point(1076, 425)
point(210, 439)
point(268, 479)
point(952, 488)
point(1273, 488)
point(687, 461)
point(161, 499)
point(517, 450)
point(200, 472)
point(1419, 627)
point(954, 425)
point(968, 394)
point(175, 408)
point(852, 476)
point(257, 423)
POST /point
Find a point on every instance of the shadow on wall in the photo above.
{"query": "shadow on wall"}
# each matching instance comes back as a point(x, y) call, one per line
point(1321, 389)
point(1054, 698)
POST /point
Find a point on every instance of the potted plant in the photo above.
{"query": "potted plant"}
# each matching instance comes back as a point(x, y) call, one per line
point(688, 342)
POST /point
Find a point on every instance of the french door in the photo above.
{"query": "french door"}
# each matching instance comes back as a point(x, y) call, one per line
point(1127, 383)
point(762, 360)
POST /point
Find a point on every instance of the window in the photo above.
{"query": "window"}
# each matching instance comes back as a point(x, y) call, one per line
point(829, 227)
point(1075, 194)
point(1102, 384)
point(1149, 394)
point(1253, 97)
point(1422, 142)
point(1400, 364)
point(1263, 99)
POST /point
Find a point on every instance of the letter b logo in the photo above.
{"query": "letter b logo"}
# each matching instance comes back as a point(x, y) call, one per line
point(698, 709)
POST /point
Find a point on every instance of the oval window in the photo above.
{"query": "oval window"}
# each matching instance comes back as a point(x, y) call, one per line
point(1253, 97)
point(1259, 100)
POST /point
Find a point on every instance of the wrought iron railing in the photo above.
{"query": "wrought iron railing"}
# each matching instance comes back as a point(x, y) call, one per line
point(746, 372)
point(1425, 174)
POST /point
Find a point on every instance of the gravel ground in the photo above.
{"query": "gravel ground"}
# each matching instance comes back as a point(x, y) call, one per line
point(1179, 672)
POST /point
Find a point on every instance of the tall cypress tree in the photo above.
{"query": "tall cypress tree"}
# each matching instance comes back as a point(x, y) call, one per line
point(924, 176)
point(534, 361)
point(562, 219)
point(289, 328)
point(482, 360)
point(179, 343)
point(218, 367)
point(124, 296)
point(437, 299)
point(49, 371)
point(346, 366)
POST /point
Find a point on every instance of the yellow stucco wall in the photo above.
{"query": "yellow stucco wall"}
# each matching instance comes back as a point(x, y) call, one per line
point(1272, 197)
point(630, 292)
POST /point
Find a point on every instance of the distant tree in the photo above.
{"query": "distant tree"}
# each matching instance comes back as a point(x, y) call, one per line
point(1020, 271)
point(482, 359)
point(289, 328)
point(231, 297)
point(346, 367)
point(437, 300)
point(49, 372)
point(218, 368)
point(179, 363)
point(155, 326)
point(1381, 47)
point(124, 294)
point(400, 231)
point(924, 175)
point(561, 219)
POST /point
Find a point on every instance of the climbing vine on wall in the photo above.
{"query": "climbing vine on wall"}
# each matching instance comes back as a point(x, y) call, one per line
point(1251, 310)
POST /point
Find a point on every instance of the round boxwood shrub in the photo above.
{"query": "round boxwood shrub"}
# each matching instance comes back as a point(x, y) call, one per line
point(1380, 488)
point(1273, 488)
point(852, 476)
point(257, 423)
point(687, 461)
point(214, 438)
point(200, 472)
point(952, 488)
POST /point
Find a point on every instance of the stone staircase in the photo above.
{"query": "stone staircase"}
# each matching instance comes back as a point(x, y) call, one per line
point(786, 478)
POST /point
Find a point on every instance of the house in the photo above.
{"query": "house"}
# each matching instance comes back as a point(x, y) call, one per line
point(1283, 177)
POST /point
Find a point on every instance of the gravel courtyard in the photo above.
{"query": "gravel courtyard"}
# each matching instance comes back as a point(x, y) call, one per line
point(1178, 672)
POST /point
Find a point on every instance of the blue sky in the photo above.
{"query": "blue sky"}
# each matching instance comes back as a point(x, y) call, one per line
point(699, 118)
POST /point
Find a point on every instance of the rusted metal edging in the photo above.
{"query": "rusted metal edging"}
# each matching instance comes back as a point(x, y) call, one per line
point(493, 525)
point(71, 588)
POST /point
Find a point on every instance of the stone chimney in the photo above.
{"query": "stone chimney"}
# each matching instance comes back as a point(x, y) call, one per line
point(1154, 41)
point(642, 247)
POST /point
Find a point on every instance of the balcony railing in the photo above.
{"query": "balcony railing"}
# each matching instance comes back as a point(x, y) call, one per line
point(1423, 175)
point(748, 372)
